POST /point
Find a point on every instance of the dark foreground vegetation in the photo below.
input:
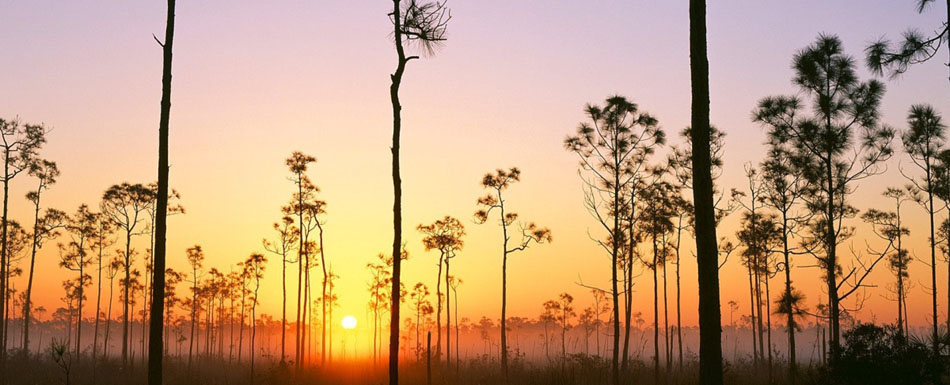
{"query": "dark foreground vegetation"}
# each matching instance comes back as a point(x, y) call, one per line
point(871, 355)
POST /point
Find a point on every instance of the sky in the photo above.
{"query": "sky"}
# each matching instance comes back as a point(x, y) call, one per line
point(254, 81)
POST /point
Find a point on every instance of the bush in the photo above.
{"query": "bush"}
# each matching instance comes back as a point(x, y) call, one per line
point(883, 355)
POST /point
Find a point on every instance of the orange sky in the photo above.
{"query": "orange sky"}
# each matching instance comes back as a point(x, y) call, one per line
point(254, 82)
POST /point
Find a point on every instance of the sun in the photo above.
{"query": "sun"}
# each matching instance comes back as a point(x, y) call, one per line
point(349, 322)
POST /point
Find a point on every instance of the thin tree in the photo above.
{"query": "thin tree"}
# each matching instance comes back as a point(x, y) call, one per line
point(255, 265)
point(287, 235)
point(195, 257)
point(498, 183)
point(414, 22)
point(444, 235)
point(102, 240)
point(298, 163)
point(915, 47)
point(888, 226)
point(782, 189)
point(125, 204)
point(75, 256)
point(707, 253)
point(825, 149)
point(565, 301)
point(613, 148)
point(44, 228)
point(20, 143)
point(923, 142)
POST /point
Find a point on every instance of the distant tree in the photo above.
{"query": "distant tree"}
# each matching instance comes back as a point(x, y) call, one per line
point(420, 302)
point(113, 268)
point(287, 236)
point(923, 141)
point(424, 23)
point(195, 257)
point(454, 283)
point(551, 308)
point(298, 163)
point(20, 143)
point(75, 256)
point(498, 183)
point(782, 189)
point(101, 241)
point(567, 313)
point(613, 148)
point(889, 226)
point(825, 149)
point(657, 211)
point(125, 204)
point(378, 302)
point(172, 279)
point(45, 227)
point(255, 265)
point(444, 235)
point(915, 47)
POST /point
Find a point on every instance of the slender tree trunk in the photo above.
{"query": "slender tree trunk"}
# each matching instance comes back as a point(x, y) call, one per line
point(95, 332)
point(126, 298)
point(790, 322)
point(323, 300)
point(448, 319)
point(438, 312)
point(4, 268)
point(397, 199)
point(283, 309)
point(27, 299)
point(933, 264)
point(105, 340)
point(679, 320)
point(656, 317)
point(752, 320)
point(710, 328)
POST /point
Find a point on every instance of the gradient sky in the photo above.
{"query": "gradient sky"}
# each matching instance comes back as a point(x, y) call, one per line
point(254, 81)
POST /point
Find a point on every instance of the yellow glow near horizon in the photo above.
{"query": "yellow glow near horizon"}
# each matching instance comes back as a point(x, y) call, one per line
point(349, 322)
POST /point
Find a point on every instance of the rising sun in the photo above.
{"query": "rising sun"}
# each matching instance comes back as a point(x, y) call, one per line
point(349, 322)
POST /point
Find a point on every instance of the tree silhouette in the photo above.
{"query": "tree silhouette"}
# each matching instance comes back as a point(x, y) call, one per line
point(888, 226)
point(20, 143)
point(498, 183)
point(381, 278)
point(298, 163)
point(923, 141)
point(101, 241)
point(420, 302)
point(287, 236)
point(825, 148)
point(195, 257)
point(613, 148)
point(125, 204)
point(75, 256)
point(423, 23)
point(254, 265)
point(156, 324)
point(444, 235)
point(707, 253)
point(115, 265)
point(782, 187)
point(44, 228)
point(915, 47)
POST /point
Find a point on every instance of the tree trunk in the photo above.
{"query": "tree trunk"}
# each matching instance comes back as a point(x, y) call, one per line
point(710, 328)
point(27, 299)
point(397, 199)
